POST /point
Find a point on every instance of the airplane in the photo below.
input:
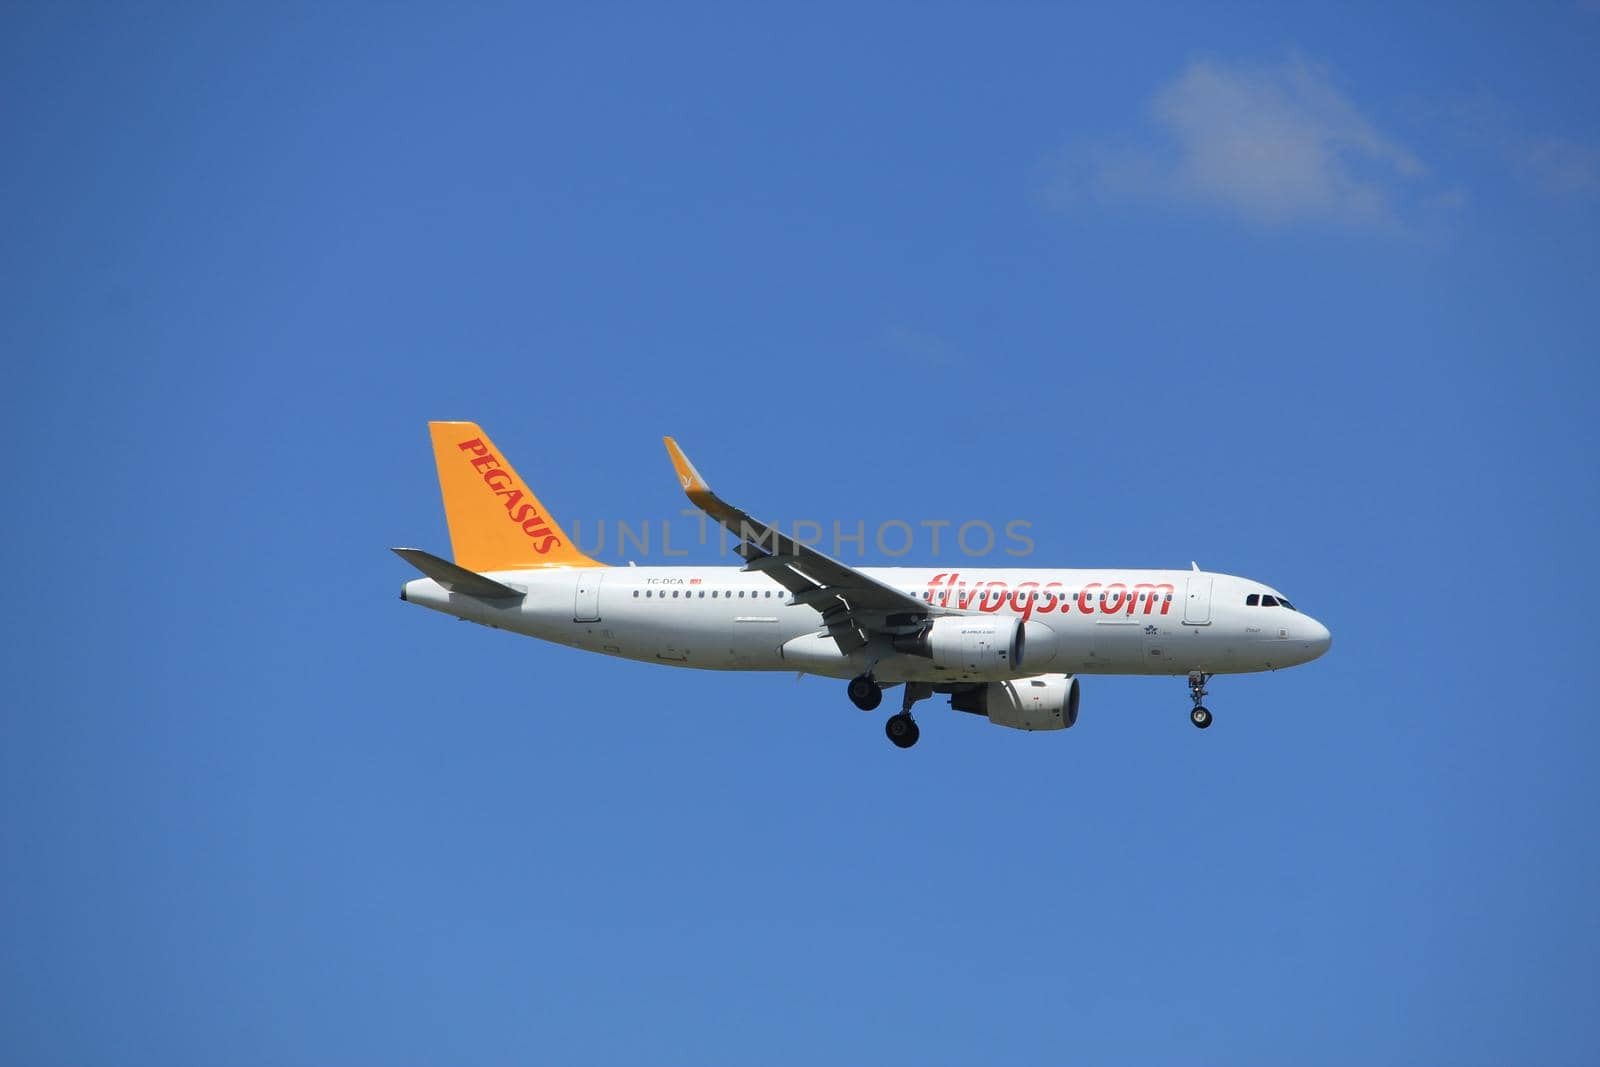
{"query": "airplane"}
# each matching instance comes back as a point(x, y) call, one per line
point(1007, 644)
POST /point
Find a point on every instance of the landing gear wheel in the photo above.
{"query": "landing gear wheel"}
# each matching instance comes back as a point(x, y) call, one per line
point(902, 730)
point(865, 693)
point(1200, 716)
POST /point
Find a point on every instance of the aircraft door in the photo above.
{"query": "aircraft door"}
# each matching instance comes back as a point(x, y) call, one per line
point(1197, 606)
point(755, 641)
point(586, 606)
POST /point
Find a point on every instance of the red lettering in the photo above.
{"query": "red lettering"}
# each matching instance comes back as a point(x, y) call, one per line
point(1022, 599)
point(1027, 599)
point(1049, 603)
point(501, 480)
point(994, 603)
point(1150, 597)
point(964, 596)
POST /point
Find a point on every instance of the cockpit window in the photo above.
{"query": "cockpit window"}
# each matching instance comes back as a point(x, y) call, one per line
point(1282, 603)
point(1268, 600)
point(1253, 600)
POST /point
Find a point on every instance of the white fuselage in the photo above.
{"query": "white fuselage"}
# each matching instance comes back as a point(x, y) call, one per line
point(1077, 621)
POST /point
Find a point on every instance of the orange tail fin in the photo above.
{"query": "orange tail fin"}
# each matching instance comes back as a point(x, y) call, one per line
point(496, 523)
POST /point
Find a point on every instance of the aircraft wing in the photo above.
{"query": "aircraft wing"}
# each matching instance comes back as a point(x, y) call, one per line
point(854, 606)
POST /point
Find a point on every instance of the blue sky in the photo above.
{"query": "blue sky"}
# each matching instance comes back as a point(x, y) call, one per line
point(1307, 295)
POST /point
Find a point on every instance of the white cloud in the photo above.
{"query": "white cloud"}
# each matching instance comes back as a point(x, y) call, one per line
point(1275, 144)
point(1561, 166)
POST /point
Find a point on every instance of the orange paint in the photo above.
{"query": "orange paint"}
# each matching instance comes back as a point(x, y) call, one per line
point(496, 523)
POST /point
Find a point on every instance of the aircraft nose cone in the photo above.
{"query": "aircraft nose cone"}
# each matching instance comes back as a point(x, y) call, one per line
point(1318, 637)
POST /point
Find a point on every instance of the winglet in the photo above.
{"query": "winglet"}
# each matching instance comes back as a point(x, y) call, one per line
point(694, 485)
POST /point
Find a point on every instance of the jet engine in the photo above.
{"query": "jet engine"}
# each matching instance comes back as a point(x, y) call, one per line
point(1043, 702)
point(968, 644)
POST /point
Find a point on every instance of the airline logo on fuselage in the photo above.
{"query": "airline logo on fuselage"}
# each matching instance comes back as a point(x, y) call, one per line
point(520, 507)
point(1031, 598)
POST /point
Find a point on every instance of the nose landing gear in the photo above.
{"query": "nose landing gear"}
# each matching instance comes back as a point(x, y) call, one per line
point(1200, 716)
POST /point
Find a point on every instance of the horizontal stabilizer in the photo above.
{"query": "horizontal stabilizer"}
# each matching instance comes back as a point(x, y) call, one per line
point(456, 579)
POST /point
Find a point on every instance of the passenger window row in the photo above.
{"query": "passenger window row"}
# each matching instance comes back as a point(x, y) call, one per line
point(728, 594)
point(1034, 596)
point(980, 596)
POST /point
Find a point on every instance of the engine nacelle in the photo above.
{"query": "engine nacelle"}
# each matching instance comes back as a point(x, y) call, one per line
point(968, 644)
point(1044, 702)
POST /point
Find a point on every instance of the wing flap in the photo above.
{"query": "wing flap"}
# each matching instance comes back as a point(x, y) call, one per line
point(853, 604)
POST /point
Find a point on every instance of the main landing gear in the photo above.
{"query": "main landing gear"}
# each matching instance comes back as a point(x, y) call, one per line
point(867, 694)
point(902, 730)
point(1200, 716)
